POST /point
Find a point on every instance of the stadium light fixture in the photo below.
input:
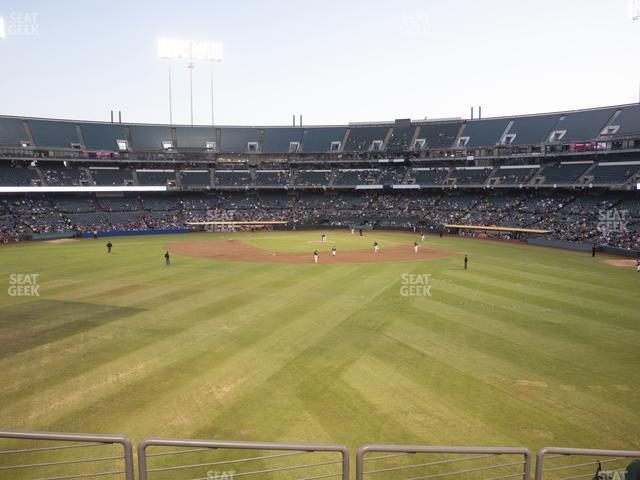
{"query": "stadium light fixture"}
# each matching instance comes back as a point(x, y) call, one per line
point(3, 33)
point(634, 9)
point(175, 49)
point(194, 52)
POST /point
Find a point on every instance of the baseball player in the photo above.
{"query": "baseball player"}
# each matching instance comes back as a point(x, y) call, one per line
point(422, 236)
point(324, 238)
point(466, 261)
point(316, 256)
point(333, 251)
point(375, 247)
point(167, 259)
point(109, 247)
point(415, 247)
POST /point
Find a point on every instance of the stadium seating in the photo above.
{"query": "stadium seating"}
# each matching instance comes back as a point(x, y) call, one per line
point(611, 173)
point(429, 176)
point(148, 138)
point(272, 178)
point(63, 176)
point(99, 136)
point(195, 178)
point(583, 126)
point(197, 203)
point(439, 135)
point(355, 177)
point(628, 121)
point(111, 176)
point(70, 204)
point(483, 133)
point(155, 177)
point(513, 171)
point(278, 140)
point(12, 132)
point(515, 175)
point(17, 176)
point(194, 137)
point(564, 173)
point(49, 133)
point(401, 136)
point(530, 130)
point(119, 204)
point(160, 203)
point(236, 140)
point(274, 201)
point(468, 176)
point(319, 139)
point(392, 176)
point(313, 177)
point(232, 178)
point(361, 138)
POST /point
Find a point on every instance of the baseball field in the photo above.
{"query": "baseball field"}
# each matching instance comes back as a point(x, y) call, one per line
point(244, 337)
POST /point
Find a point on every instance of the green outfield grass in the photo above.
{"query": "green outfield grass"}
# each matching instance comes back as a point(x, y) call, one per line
point(529, 347)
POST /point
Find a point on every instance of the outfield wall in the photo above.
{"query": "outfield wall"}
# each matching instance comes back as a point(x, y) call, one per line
point(116, 233)
point(582, 247)
point(53, 236)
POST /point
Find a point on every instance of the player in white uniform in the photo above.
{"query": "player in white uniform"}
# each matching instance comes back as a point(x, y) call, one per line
point(415, 247)
point(375, 247)
point(316, 256)
point(333, 251)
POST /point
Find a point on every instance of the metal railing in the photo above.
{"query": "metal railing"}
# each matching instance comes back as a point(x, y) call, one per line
point(72, 456)
point(194, 457)
point(562, 464)
point(60, 456)
point(421, 462)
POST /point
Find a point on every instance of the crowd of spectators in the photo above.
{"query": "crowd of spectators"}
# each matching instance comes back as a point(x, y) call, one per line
point(606, 219)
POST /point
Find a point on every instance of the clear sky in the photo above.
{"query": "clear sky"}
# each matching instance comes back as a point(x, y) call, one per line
point(333, 61)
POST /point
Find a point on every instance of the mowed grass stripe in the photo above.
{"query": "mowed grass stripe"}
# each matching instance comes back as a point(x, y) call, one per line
point(570, 352)
point(516, 299)
point(602, 289)
point(162, 354)
point(327, 353)
point(569, 298)
point(465, 382)
point(234, 359)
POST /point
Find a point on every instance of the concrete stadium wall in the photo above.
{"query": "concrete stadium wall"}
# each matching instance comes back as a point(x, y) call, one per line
point(582, 247)
point(117, 233)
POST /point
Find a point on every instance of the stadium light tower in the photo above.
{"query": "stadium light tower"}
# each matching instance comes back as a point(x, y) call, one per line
point(634, 9)
point(193, 52)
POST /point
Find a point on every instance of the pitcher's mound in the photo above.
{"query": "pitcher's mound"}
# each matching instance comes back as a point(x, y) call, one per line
point(238, 251)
